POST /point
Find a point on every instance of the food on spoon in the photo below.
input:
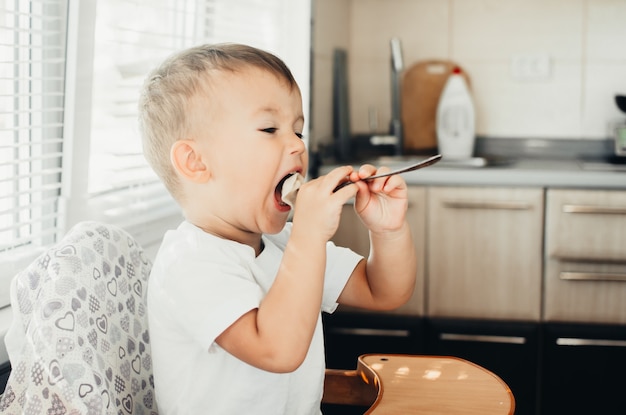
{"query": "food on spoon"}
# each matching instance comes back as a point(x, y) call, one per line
point(290, 188)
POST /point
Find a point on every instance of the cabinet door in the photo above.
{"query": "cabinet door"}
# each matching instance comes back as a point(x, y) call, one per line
point(353, 234)
point(510, 350)
point(583, 369)
point(585, 274)
point(485, 252)
point(349, 335)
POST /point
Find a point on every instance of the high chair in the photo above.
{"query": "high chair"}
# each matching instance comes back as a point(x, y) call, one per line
point(79, 341)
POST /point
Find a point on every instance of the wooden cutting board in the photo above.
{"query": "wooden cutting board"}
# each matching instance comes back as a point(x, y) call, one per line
point(422, 84)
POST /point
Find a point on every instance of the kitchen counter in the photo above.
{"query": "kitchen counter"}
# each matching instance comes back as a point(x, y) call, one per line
point(524, 163)
point(526, 173)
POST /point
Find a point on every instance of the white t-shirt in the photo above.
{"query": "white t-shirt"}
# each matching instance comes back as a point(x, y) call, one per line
point(199, 285)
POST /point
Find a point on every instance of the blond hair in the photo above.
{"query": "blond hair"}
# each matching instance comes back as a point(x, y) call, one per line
point(169, 89)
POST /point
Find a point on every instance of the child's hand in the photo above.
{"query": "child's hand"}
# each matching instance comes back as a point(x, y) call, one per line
point(318, 208)
point(381, 203)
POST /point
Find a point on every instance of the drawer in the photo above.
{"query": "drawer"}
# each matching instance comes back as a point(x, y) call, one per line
point(586, 225)
point(586, 292)
point(348, 335)
point(583, 369)
point(508, 349)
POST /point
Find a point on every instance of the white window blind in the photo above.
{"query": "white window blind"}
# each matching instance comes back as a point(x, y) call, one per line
point(32, 68)
point(122, 188)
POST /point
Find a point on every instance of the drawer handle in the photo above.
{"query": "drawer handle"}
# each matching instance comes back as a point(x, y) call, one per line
point(591, 276)
point(504, 205)
point(370, 332)
point(350, 202)
point(482, 338)
point(595, 210)
point(568, 341)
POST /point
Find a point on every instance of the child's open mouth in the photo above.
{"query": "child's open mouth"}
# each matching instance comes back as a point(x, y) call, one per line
point(287, 189)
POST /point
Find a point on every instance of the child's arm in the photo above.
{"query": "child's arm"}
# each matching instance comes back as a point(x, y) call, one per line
point(387, 279)
point(276, 336)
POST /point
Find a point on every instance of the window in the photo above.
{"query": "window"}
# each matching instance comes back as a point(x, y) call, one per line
point(69, 82)
point(32, 67)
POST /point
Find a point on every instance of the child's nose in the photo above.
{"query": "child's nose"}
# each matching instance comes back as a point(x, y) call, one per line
point(297, 145)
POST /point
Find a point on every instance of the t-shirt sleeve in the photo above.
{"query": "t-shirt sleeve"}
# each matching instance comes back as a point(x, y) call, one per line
point(340, 262)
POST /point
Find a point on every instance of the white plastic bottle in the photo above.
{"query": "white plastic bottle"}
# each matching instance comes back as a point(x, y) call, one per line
point(456, 119)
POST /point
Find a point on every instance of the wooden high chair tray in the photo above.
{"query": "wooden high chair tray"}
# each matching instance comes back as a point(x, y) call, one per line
point(407, 384)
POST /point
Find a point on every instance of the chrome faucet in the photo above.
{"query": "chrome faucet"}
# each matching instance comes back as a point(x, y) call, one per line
point(395, 127)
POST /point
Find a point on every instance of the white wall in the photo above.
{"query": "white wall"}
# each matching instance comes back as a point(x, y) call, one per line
point(585, 41)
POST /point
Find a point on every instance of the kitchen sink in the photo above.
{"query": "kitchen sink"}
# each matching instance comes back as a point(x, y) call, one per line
point(602, 166)
point(609, 163)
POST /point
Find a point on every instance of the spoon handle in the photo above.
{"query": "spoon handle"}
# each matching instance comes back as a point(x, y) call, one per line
point(424, 163)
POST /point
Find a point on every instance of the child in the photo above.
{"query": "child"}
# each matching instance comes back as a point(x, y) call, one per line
point(236, 292)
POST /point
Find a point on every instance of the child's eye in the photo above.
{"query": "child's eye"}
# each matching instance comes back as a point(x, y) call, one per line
point(300, 135)
point(269, 130)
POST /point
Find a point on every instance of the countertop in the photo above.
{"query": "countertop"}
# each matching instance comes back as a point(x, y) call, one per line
point(522, 163)
point(525, 173)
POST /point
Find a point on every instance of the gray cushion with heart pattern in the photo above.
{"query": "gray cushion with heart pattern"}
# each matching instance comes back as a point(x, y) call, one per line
point(79, 340)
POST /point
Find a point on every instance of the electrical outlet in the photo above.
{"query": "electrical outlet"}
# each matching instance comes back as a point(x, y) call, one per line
point(531, 67)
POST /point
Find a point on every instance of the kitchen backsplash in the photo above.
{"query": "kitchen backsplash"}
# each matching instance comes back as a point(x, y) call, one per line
point(504, 46)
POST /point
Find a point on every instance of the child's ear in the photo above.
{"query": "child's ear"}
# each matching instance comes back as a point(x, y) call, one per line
point(187, 161)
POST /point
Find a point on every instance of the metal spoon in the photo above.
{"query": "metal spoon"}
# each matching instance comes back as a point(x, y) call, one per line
point(424, 163)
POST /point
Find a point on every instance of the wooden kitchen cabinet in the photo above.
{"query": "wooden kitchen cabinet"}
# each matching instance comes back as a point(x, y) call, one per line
point(353, 234)
point(485, 253)
point(585, 264)
point(351, 332)
point(529, 283)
